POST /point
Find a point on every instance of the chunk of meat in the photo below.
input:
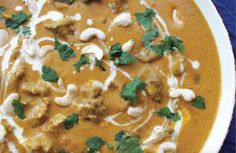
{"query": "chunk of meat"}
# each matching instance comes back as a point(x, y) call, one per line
point(55, 122)
point(155, 86)
point(38, 88)
point(38, 144)
point(92, 109)
point(146, 56)
point(63, 28)
point(90, 90)
point(38, 114)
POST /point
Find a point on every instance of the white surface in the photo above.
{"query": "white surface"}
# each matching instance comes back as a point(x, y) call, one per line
point(226, 105)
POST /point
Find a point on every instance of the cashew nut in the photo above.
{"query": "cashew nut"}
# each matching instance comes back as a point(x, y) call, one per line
point(4, 37)
point(157, 135)
point(3, 133)
point(89, 33)
point(93, 50)
point(124, 20)
point(167, 146)
point(7, 107)
point(128, 45)
point(69, 97)
point(186, 94)
point(135, 112)
point(45, 50)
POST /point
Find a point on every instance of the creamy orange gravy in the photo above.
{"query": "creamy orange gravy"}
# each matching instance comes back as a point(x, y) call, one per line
point(199, 48)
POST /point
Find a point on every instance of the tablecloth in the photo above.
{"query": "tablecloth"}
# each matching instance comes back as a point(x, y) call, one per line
point(227, 10)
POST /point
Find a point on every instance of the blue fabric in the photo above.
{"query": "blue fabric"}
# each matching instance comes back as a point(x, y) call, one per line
point(227, 10)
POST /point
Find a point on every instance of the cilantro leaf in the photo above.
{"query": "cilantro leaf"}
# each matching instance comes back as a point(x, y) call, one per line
point(26, 31)
point(125, 58)
point(168, 114)
point(82, 61)
point(94, 144)
point(19, 108)
point(16, 20)
point(129, 90)
point(159, 49)
point(171, 43)
point(199, 102)
point(64, 50)
point(150, 36)
point(145, 19)
point(66, 1)
point(62, 151)
point(48, 74)
point(127, 144)
point(99, 64)
point(71, 121)
point(115, 51)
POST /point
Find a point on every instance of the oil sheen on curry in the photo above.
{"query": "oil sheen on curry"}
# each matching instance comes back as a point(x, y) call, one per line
point(108, 76)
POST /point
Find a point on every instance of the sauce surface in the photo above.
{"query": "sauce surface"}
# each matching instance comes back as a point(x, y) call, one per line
point(100, 91)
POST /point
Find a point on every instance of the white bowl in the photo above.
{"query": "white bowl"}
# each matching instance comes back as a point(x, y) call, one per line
point(225, 109)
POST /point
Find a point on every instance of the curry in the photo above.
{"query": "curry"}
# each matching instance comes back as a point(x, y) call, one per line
point(106, 76)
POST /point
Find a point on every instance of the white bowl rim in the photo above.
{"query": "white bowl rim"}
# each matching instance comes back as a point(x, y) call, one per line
point(226, 104)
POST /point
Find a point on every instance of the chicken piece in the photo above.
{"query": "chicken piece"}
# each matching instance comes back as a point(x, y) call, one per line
point(92, 109)
point(146, 56)
point(63, 28)
point(38, 88)
point(154, 83)
point(89, 90)
point(38, 144)
point(55, 122)
point(38, 114)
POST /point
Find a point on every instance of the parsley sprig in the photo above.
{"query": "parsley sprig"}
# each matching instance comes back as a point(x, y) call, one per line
point(166, 112)
point(19, 108)
point(199, 103)
point(71, 121)
point(48, 74)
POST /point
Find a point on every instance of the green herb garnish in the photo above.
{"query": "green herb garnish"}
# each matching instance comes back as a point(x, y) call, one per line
point(129, 91)
point(127, 144)
point(17, 19)
point(199, 102)
point(64, 50)
point(62, 151)
point(19, 108)
point(124, 58)
point(48, 74)
point(149, 37)
point(94, 144)
point(145, 19)
point(168, 114)
point(82, 61)
point(71, 121)
point(99, 64)
point(26, 31)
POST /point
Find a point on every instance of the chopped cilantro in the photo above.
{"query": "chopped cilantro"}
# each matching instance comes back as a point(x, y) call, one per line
point(168, 114)
point(62, 151)
point(66, 1)
point(82, 61)
point(159, 49)
point(26, 31)
point(94, 144)
point(99, 64)
point(64, 50)
point(115, 51)
point(146, 19)
point(71, 121)
point(150, 36)
point(171, 43)
point(199, 102)
point(129, 90)
point(19, 108)
point(16, 20)
point(48, 74)
point(124, 58)
point(127, 144)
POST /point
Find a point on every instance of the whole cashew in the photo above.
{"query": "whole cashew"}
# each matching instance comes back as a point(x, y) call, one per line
point(94, 50)
point(186, 94)
point(135, 112)
point(89, 33)
point(167, 146)
point(69, 97)
point(128, 45)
